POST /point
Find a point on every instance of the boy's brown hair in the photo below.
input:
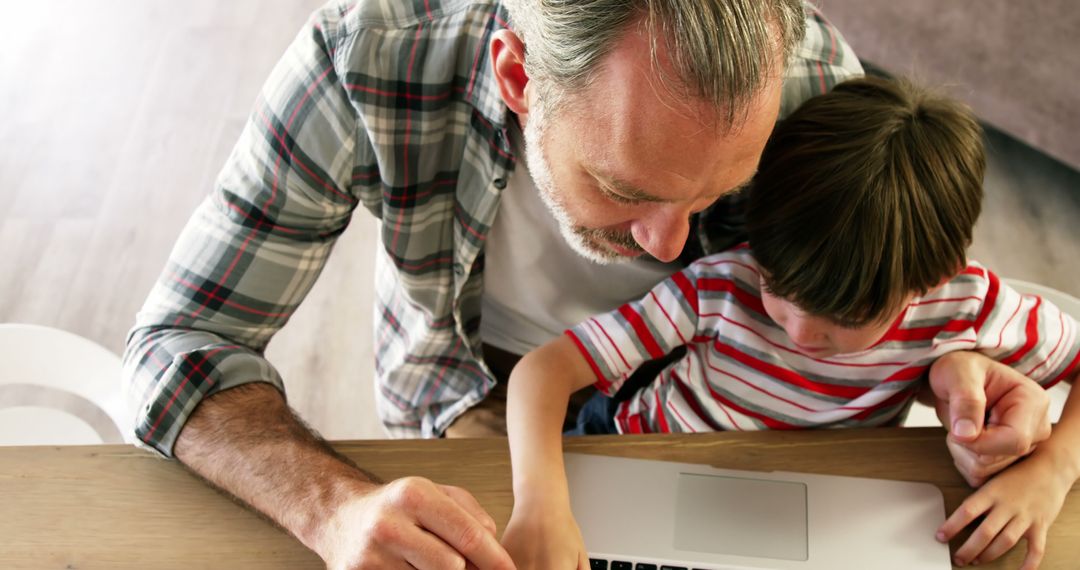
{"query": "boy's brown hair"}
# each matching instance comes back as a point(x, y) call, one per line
point(865, 195)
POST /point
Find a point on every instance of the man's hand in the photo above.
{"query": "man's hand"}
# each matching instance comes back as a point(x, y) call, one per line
point(247, 442)
point(965, 385)
point(412, 523)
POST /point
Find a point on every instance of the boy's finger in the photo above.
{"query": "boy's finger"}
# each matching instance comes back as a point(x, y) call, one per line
point(983, 535)
point(1004, 542)
point(968, 511)
point(1036, 549)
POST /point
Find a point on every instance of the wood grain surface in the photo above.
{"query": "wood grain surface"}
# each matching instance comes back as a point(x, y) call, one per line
point(119, 507)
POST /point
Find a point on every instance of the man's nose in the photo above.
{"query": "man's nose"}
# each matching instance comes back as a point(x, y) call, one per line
point(663, 231)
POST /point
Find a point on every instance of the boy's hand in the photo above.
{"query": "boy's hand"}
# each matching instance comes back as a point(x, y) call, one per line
point(1021, 502)
point(965, 385)
point(545, 538)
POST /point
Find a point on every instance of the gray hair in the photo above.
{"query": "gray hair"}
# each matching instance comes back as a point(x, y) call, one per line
point(722, 51)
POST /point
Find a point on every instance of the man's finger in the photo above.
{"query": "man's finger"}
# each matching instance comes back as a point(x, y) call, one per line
point(444, 517)
point(999, 440)
point(426, 551)
point(470, 504)
point(966, 414)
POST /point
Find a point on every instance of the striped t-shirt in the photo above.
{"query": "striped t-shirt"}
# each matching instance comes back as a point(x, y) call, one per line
point(742, 372)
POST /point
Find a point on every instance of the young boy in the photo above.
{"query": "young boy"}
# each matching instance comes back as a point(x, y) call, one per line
point(853, 286)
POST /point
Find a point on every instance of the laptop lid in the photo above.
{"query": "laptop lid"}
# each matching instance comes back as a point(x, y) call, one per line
point(693, 516)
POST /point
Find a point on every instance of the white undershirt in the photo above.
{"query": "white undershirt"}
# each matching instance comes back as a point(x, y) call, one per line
point(535, 285)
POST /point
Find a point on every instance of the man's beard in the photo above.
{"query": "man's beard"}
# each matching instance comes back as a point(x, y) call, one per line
point(589, 243)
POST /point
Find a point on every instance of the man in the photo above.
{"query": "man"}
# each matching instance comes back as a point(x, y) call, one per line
point(633, 120)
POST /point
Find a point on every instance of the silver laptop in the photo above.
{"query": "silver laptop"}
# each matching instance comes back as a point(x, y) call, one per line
point(652, 515)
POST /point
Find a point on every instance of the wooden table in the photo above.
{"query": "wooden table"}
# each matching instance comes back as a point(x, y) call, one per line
point(118, 507)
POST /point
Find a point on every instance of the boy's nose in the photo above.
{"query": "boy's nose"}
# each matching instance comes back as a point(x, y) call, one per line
point(804, 333)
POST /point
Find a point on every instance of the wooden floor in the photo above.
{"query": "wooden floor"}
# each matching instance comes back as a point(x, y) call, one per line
point(118, 114)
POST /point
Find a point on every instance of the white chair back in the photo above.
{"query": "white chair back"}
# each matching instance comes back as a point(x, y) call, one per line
point(57, 388)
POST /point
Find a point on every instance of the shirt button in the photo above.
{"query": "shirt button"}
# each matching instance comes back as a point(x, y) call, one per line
point(458, 269)
point(500, 183)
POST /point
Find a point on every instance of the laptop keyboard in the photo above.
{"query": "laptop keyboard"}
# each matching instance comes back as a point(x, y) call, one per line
point(601, 564)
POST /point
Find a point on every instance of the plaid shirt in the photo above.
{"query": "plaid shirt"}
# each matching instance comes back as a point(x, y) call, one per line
point(390, 106)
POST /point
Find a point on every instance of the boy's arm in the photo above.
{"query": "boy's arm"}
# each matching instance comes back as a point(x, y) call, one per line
point(1024, 500)
point(540, 389)
point(541, 532)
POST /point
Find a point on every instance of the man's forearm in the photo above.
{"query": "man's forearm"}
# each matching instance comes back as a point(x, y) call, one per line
point(247, 442)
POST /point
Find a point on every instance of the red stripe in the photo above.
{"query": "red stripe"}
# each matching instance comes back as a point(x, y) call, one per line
point(753, 386)
point(821, 77)
point(674, 326)
point(414, 266)
point(233, 304)
point(726, 261)
point(273, 192)
point(280, 137)
point(690, 398)
point(397, 94)
point(893, 400)
point(601, 383)
point(661, 421)
point(1005, 327)
point(793, 351)
point(179, 387)
point(993, 287)
point(688, 291)
point(832, 42)
point(611, 343)
point(769, 422)
point(434, 389)
point(408, 132)
point(476, 58)
point(641, 331)
point(1031, 335)
point(623, 417)
point(275, 227)
point(1069, 371)
point(788, 376)
point(926, 333)
point(1060, 341)
point(747, 300)
point(950, 300)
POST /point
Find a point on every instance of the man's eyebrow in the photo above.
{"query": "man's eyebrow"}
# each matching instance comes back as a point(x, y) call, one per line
point(625, 189)
point(632, 192)
point(741, 186)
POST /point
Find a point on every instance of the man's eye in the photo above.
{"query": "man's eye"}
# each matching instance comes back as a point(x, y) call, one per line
point(618, 198)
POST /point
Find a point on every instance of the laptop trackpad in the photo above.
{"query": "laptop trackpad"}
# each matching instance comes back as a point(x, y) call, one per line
point(741, 517)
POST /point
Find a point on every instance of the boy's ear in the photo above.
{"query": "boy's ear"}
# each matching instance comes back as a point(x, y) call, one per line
point(508, 64)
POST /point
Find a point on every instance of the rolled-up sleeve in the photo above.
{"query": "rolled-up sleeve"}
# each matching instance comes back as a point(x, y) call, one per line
point(254, 247)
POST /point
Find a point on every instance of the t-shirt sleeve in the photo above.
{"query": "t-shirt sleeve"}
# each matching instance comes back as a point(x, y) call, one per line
point(617, 343)
point(1027, 333)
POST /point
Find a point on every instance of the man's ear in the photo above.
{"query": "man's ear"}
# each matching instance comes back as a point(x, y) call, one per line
point(508, 63)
